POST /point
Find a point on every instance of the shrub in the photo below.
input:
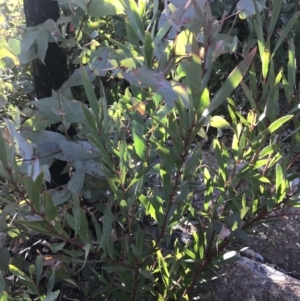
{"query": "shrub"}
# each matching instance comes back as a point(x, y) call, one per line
point(144, 215)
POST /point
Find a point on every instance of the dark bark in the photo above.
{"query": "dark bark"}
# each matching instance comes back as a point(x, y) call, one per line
point(55, 72)
point(50, 76)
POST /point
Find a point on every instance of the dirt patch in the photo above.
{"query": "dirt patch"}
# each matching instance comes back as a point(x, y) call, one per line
point(279, 242)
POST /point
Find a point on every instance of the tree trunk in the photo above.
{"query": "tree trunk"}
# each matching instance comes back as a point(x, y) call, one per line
point(54, 73)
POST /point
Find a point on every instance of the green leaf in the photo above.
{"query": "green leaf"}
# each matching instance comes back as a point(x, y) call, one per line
point(76, 183)
point(3, 155)
point(134, 16)
point(287, 29)
point(80, 221)
point(249, 94)
point(264, 180)
point(279, 176)
point(273, 96)
point(230, 84)
point(140, 238)
point(55, 247)
point(135, 251)
point(204, 101)
point(117, 269)
point(49, 206)
point(86, 249)
point(271, 203)
point(5, 259)
point(154, 207)
point(163, 268)
point(97, 229)
point(194, 162)
point(71, 150)
point(221, 159)
point(241, 234)
point(253, 83)
point(38, 226)
point(171, 90)
point(5, 51)
point(2, 287)
point(288, 90)
point(33, 193)
point(244, 212)
point(24, 279)
point(260, 163)
point(24, 148)
point(167, 184)
point(147, 274)
point(171, 128)
point(275, 159)
point(107, 222)
point(148, 49)
point(103, 8)
point(74, 253)
point(123, 160)
point(42, 43)
point(38, 268)
point(268, 150)
point(90, 93)
point(115, 188)
point(292, 66)
point(104, 155)
point(91, 123)
point(272, 128)
point(278, 123)
point(276, 7)
point(160, 298)
point(51, 296)
point(56, 109)
point(15, 45)
point(219, 122)
point(132, 36)
point(61, 196)
point(43, 136)
point(208, 194)
point(139, 140)
point(189, 253)
point(184, 120)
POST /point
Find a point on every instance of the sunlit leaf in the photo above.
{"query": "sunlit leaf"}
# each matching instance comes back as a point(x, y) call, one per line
point(104, 8)
point(219, 122)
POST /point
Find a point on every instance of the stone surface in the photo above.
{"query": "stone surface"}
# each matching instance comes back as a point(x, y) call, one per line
point(249, 253)
point(279, 243)
point(248, 280)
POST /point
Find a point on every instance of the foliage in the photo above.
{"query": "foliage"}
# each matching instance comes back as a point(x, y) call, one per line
point(144, 215)
point(15, 81)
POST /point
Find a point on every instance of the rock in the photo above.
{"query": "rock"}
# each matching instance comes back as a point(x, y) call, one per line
point(279, 242)
point(258, 257)
point(249, 253)
point(248, 280)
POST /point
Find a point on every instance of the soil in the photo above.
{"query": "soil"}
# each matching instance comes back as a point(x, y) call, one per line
point(279, 242)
